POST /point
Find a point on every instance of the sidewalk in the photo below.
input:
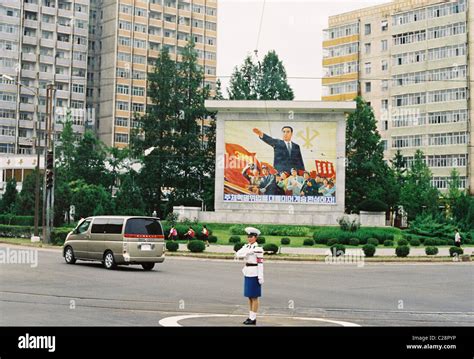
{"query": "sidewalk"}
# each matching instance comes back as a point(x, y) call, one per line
point(381, 251)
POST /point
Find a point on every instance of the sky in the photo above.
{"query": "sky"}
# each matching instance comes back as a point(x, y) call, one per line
point(294, 29)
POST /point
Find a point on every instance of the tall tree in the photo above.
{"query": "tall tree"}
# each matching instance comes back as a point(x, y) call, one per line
point(129, 200)
point(155, 133)
point(25, 202)
point(367, 175)
point(418, 195)
point(399, 167)
point(243, 83)
point(190, 161)
point(88, 162)
point(272, 82)
point(118, 162)
point(66, 149)
point(9, 198)
point(265, 81)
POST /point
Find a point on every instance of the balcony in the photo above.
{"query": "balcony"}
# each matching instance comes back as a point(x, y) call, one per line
point(47, 43)
point(47, 59)
point(63, 62)
point(30, 7)
point(28, 57)
point(31, 23)
point(30, 40)
point(28, 73)
point(29, 107)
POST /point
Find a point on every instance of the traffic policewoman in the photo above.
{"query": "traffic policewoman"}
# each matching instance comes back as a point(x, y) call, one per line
point(253, 272)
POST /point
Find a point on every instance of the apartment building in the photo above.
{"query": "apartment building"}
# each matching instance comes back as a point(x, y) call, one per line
point(126, 38)
point(43, 42)
point(410, 60)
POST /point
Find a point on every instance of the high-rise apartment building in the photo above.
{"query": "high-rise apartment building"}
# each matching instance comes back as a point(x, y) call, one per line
point(410, 59)
point(42, 42)
point(126, 38)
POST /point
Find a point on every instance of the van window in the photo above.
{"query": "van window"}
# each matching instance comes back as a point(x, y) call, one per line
point(114, 226)
point(84, 226)
point(99, 225)
point(146, 226)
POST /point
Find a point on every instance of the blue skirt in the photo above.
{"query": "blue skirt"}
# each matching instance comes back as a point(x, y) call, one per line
point(252, 288)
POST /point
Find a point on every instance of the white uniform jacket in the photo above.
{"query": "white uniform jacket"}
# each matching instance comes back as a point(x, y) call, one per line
point(252, 254)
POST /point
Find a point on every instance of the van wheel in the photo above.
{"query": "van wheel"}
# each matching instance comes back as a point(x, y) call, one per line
point(109, 260)
point(69, 256)
point(148, 266)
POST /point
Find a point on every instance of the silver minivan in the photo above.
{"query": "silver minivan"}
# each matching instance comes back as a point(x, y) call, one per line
point(115, 240)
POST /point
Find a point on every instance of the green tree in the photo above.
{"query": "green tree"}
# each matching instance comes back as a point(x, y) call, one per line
point(190, 161)
point(265, 81)
point(243, 83)
point(272, 82)
point(417, 195)
point(129, 200)
point(155, 132)
point(25, 202)
point(90, 199)
point(66, 149)
point(118, 161)
point(367, 175)
point(62, 198)
point(399, 167)
point(9, 198)
point(88, 162)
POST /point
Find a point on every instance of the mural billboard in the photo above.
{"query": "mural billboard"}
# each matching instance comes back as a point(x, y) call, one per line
point(280, 162)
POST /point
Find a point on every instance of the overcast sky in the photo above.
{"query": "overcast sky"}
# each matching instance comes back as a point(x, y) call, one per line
point(294, 29)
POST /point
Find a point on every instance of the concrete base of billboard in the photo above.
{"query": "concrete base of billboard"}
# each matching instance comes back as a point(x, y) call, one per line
point(372, 219)
point(367, 219)
point(270, 217)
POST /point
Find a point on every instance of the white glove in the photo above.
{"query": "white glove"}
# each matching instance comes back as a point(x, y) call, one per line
point(260, 281)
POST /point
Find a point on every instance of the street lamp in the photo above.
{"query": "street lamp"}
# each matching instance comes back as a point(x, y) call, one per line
point(36, 145)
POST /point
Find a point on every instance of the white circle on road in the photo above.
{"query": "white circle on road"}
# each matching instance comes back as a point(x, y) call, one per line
point(174, 321)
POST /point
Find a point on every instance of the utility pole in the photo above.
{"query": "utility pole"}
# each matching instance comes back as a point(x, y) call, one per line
point(49, 172)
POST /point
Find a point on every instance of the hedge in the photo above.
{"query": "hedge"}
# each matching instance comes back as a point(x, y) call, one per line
point(172, 246)
point(58, 235)
point(272, 230)
point(372, 205)
point(285, 240)
point(431, 251)
point(196, 246)
point(369, 250)
point(455, 251)
point(338, 250)
point(402, 251)
point(234, 239)
point(308, 242)
point(14, 220)
point(271, 248)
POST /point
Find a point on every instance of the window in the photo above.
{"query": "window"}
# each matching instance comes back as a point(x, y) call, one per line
point(368, 68)
point(138, 91)
point(83, 227)
point(121, 137)
point(125, 25)
point(140, 12)
point(121, 121)
point(368, 87)
point(122, 105)
point(384, 65)
point(367, 48)
point(384, 45)
point(367, 29)
point(123, 89)
point(138, 107)
point(384, 104)
point(143, 226)
point(77, 88)
point(384, 25)
point(384, 85)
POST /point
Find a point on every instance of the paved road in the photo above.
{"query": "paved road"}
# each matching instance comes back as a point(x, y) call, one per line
point(54, 293)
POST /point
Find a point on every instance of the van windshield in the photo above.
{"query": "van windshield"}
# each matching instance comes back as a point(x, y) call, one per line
point(146, 226)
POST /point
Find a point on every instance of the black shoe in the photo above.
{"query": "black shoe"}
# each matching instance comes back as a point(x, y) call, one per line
point(250, 322)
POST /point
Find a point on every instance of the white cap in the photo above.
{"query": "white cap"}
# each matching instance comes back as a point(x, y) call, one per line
point(252, 230)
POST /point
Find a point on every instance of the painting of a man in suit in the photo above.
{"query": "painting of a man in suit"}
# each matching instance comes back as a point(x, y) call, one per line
point(287, 154)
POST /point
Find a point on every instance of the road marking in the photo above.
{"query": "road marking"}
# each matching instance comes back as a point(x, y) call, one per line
point(174, 321)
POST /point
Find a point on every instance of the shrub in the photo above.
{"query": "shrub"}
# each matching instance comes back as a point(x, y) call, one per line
point(272, 230)
point(408, 237)
point(373, 241)
point(212, 239)
point(332, 241)
point(13, 220)
point(196, 246)
point(431, 242)
point(320, 240)
point(402, 251)
point(372, 205)
point(369, 250)
point(234, 239)
point(455, 251)
point(415, 242)
point(272, 248)
point(344, 238)
point(402, 242)
point(172, 246)
point(354, 241)
point(237, 246)
point(431, 251)
point(388, 243)
point(58, 235)
point(285, 240)
point(308, 242)
point(337, 250)
point(261, 240)
point(347, 224)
